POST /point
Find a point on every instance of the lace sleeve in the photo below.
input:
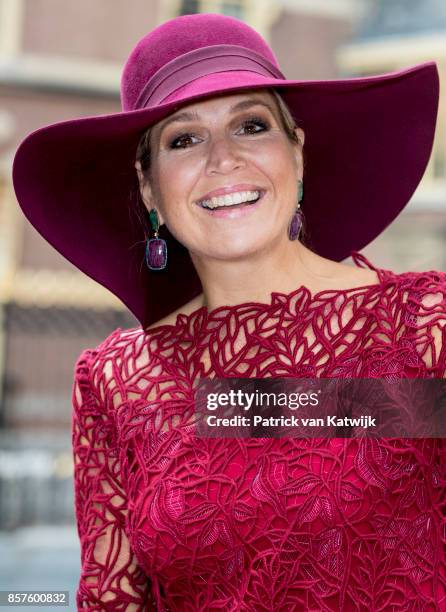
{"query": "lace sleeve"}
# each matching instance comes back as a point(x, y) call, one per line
point(425, 319)
point(111, 578)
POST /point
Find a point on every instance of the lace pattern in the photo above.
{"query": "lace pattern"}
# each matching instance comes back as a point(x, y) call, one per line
point(168, 521)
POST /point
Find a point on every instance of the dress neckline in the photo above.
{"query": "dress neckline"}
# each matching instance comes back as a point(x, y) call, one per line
point(202, 315)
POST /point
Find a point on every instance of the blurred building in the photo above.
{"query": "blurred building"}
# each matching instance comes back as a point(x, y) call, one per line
point(60, 60)
point(391, 36)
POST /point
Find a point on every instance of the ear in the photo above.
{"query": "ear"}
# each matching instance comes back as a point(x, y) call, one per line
point(298, 147)
point(146, 192)
point(300, 135)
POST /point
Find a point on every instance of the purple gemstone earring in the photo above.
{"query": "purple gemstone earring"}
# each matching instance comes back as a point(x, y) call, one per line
point(156, 248)
point(297, 218)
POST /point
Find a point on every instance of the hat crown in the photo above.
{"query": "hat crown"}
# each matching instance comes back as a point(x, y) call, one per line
point(181, 35)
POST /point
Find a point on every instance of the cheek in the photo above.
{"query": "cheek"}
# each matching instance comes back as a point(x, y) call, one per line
point(275, 157)
point(176, 181)
point(177, 176)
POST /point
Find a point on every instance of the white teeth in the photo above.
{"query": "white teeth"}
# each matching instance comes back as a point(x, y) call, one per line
point(230, 199)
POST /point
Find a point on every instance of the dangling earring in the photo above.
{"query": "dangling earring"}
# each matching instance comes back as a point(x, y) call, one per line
point(156, 248)
point(297, 218)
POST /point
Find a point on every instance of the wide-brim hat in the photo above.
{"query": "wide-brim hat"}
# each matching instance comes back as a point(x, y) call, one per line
point(368, 141)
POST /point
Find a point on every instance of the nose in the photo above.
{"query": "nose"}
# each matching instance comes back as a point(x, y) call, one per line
point(224, 157)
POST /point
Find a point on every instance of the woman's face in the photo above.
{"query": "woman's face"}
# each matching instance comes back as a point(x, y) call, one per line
point(231, 143)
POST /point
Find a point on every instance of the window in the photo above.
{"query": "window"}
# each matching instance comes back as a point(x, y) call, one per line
point(234, 8)
point(187, 7)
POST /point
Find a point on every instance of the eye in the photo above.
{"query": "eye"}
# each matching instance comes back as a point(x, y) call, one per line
point(250, 125)
point(182, 141)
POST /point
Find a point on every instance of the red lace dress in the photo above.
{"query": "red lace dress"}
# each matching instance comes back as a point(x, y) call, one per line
point(168, 521)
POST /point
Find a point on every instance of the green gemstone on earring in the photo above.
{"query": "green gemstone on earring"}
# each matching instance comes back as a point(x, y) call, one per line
point(300, 192)
point(154, 221)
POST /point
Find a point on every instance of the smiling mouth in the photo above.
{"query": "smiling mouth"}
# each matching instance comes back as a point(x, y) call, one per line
point(238, 200)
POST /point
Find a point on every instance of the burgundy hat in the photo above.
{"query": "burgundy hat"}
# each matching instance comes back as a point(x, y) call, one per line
point(368, 141)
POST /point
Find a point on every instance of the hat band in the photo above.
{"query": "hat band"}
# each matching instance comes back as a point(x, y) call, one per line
point(201, 62)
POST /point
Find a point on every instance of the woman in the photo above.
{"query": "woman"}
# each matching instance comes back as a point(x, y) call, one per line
point(171, 521)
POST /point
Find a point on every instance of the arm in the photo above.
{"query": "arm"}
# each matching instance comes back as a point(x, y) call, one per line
point(111, 578)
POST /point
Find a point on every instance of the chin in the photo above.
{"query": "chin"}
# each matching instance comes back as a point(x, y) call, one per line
point(231, 253)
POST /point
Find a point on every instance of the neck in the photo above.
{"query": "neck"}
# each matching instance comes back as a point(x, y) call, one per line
point(254, 278)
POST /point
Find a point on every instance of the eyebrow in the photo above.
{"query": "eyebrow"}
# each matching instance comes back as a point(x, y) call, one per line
point(190, 116)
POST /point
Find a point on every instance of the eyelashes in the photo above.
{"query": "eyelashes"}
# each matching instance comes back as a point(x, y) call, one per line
point(184, 140)
point(173, 144)
point(256, 121)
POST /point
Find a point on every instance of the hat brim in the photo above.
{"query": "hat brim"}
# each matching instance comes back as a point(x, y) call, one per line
point(368, 142)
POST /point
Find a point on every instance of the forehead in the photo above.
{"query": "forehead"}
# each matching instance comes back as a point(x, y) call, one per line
point(228, 100)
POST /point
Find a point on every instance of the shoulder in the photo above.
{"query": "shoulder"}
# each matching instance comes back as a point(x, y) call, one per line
point(426, 290)
point(419, 298)
point(429, 286)
point(424, 316)
point(91, 358)
point(107, 368)
point(426, 301)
